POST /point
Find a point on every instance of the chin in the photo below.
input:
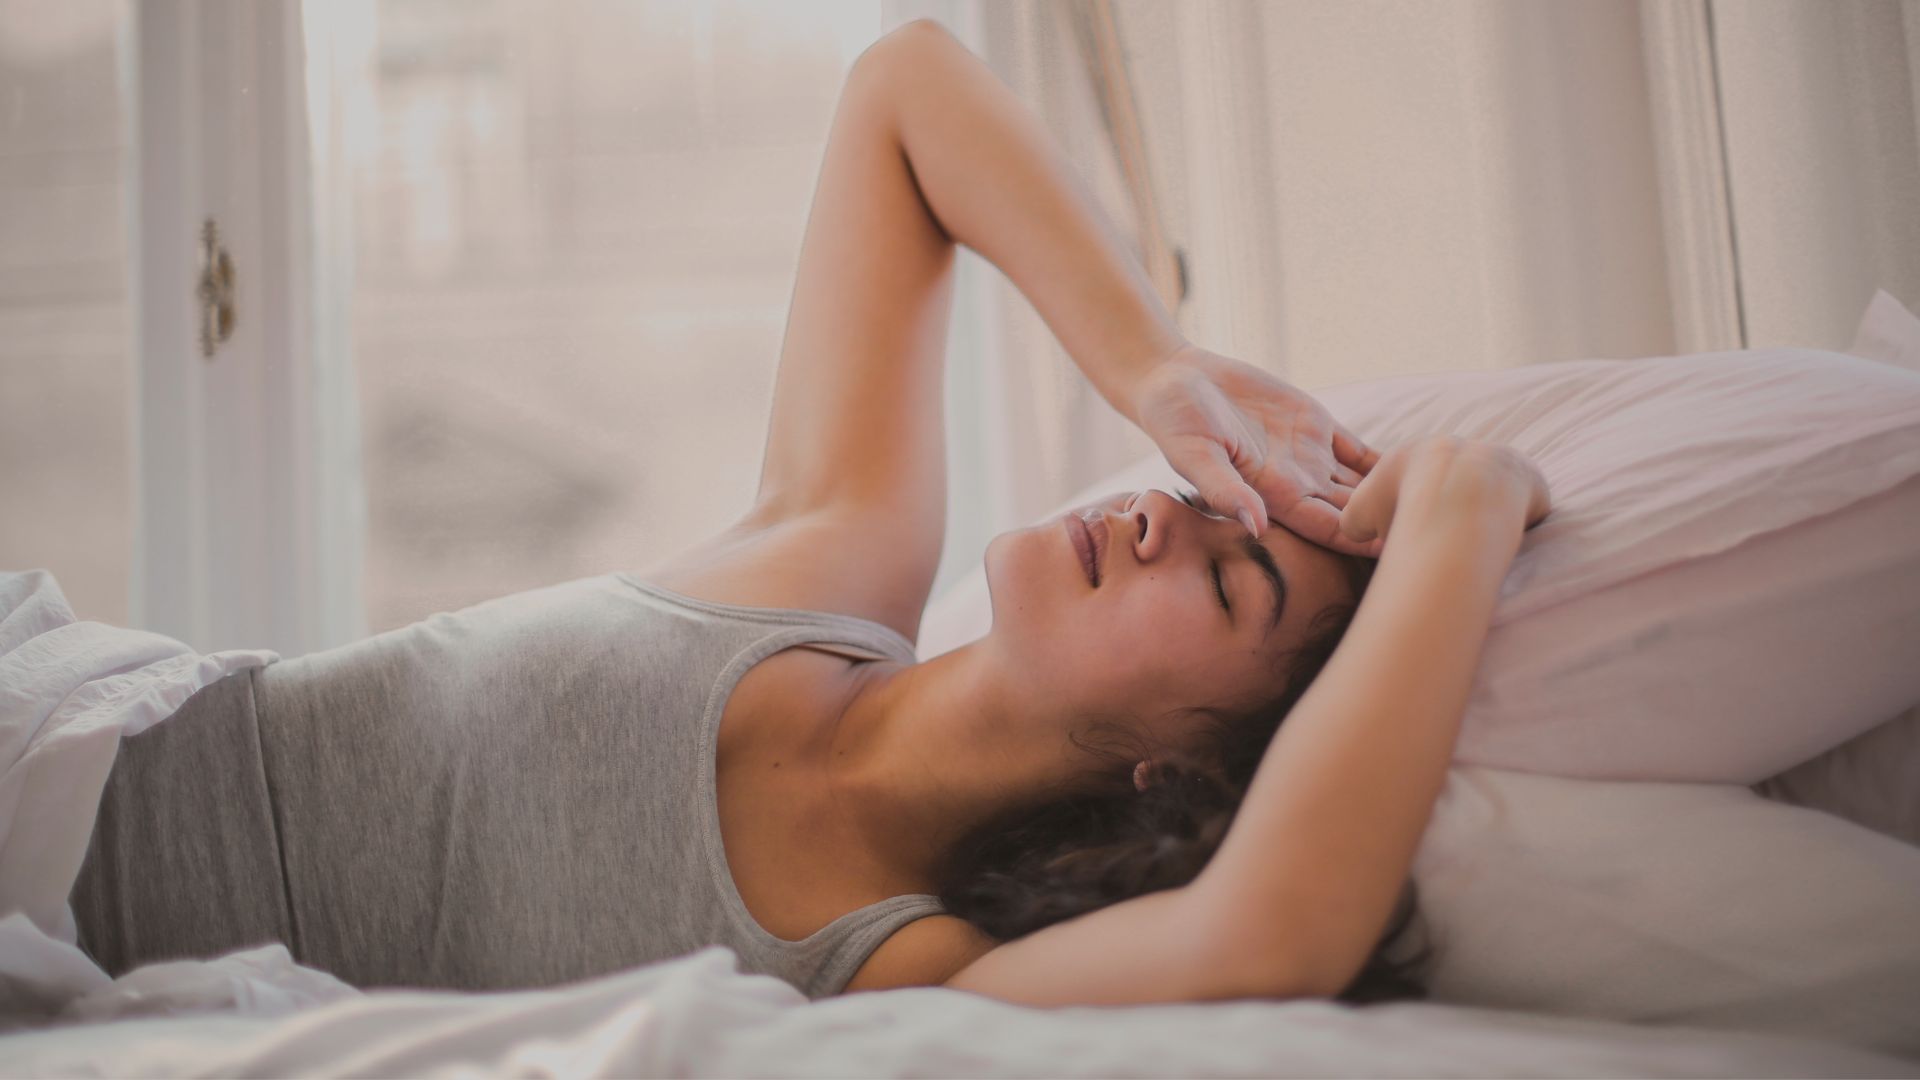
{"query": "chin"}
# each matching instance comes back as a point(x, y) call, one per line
point(991, 566)
point(1017, 563)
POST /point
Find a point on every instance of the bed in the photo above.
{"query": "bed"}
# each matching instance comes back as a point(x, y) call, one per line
point(1738, 918)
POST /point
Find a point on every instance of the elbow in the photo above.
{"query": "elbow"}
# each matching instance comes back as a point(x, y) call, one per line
point(1256, 952)
point(905, 48)
point(918, 34)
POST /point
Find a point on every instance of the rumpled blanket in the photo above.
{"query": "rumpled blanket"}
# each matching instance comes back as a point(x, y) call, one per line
point(69, 690)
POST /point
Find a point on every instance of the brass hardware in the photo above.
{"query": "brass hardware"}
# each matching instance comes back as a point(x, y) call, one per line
point(215, 291)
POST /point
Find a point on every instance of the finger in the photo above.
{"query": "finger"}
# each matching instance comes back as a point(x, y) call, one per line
point(1346, 545)
point(1245, 504)
point(1338, 495)
point(1351, 451)
point(1207, 466)
point(1367, 548)
point(1346, 476)
point(1316, 520)
point(1204, 464)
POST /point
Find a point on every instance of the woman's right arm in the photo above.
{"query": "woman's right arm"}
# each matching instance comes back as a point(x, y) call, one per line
point(1308, 874)
point(1300, 891)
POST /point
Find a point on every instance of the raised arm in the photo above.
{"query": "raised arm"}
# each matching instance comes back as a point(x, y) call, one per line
point(1316, 857)
point(998, 183)
point(1301, 889)
point(927, 147)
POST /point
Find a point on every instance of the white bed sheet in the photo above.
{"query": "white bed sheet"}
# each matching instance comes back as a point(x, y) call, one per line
point(699, 1016)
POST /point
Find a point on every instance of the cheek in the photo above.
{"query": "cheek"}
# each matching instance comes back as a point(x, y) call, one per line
point(1144, 636)
point(1164, 635)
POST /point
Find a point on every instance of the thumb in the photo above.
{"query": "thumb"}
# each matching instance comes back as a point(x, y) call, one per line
point(1208, 468)
point(1252, 509)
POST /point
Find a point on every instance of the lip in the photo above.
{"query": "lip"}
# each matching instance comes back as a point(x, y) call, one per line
point(1082, 540)
point(1097, 528)
point(1090, 541)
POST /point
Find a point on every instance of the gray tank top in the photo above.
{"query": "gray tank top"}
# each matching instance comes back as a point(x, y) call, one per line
point(521, 793)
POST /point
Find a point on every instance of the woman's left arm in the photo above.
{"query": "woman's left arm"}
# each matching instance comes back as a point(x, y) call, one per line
point(993, 180)
point(928, 148)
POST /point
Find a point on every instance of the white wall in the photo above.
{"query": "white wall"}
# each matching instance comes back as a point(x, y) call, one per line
point(1453, 186)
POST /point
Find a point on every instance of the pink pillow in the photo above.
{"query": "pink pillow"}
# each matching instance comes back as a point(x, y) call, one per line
point(1728, 584)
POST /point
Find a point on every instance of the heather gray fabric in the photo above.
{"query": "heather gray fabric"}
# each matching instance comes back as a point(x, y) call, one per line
point(184, 861)
point(516, 794)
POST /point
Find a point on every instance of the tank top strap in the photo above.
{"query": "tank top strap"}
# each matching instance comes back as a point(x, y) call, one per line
point(822, 963)
point(863, 930)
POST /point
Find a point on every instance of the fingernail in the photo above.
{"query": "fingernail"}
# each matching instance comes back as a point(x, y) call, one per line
point(1246, 518)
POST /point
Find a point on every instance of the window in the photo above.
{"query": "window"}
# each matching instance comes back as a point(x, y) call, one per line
point(66, 482)
point(576, 230)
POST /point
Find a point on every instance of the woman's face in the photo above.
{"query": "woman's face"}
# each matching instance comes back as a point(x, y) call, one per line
point(1154, 636)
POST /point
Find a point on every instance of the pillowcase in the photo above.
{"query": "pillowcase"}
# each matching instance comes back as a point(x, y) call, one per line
point(1728, 583)
point(1888, 332)
point(1701, 905)
point(1869, 780)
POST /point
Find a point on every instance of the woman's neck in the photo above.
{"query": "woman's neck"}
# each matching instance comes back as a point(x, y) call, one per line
point(921, 753)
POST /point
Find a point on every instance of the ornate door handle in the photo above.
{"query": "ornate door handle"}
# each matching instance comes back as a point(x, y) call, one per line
point(215, 291)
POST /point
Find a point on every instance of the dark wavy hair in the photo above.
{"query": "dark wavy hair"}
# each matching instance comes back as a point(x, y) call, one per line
point(1104, 841)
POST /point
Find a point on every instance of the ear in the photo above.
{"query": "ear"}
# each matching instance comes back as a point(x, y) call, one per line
point(1142, 776)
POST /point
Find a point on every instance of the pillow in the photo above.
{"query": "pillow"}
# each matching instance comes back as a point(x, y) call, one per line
point(1888, 332)
point(1869, 780)
point(1702, 905)
point(1727, 585)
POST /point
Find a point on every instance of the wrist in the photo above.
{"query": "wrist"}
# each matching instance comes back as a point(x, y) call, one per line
point(1129, 375)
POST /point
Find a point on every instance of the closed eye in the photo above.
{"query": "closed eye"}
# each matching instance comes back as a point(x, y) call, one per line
point(1193, 499)
point(1257, 552)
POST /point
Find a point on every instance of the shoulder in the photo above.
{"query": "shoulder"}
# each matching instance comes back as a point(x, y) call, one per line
point(821, 561)
point(925, 952)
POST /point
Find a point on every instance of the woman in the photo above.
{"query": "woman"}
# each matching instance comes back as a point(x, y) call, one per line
point(737, 747)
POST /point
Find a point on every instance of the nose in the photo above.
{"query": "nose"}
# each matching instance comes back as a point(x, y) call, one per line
point(1152, 520)
point(1147, 523)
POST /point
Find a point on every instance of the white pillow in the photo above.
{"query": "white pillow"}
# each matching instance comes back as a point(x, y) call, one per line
point(1701, 905)
point(1869, 780)
point(1728, 584)
point(1888, 332)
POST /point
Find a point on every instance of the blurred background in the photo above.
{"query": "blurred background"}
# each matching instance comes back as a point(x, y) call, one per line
point(507, 278)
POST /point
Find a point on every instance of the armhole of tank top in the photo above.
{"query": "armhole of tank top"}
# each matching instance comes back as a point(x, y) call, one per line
point(836, 622)
point(851, 652)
